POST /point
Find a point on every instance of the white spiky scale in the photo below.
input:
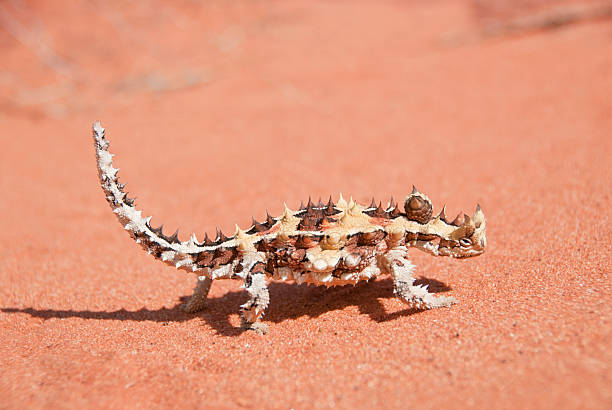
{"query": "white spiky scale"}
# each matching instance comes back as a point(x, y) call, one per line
point(339, 244)
point(167, 255)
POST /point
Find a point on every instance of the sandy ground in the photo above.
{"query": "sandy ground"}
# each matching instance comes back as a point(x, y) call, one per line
point(220, 110)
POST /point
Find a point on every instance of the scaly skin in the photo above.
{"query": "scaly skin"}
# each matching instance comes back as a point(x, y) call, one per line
point(325, 244)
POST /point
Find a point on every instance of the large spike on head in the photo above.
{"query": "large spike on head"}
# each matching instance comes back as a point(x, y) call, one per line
point(468, 225)
point(457, 221)
point(465, 231)
point(478, 217)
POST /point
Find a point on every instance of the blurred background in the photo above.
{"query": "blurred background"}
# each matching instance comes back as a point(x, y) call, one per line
point(63, 60)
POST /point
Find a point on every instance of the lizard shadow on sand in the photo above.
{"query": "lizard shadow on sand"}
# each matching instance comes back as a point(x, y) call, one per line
point(287, 301)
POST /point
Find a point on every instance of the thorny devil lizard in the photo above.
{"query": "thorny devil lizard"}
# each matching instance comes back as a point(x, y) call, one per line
point(324, 244)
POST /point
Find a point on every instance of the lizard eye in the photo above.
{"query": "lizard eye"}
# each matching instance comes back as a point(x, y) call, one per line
point(465, 242)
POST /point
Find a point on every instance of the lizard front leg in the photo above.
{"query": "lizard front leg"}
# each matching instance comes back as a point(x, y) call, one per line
point(253, 309)
point(416, 296)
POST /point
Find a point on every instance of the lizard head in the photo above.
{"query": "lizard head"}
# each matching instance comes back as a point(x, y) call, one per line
point(437, 236)
point(469, 239)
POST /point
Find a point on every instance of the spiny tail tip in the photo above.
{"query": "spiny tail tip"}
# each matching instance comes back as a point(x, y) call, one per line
point(97, 127)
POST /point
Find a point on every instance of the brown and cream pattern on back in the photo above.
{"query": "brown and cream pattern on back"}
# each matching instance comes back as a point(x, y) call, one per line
point(321, 243)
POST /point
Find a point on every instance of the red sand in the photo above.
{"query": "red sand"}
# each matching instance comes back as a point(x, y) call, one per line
point(228, 109)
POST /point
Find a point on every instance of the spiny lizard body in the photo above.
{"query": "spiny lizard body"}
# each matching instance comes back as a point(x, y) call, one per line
point(324, 244)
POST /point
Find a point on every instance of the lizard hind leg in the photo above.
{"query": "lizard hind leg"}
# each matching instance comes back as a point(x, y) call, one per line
point(416, 296)
point(197, 301)
point(259, 298)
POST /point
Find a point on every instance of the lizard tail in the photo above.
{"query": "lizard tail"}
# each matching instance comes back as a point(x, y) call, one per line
point(186, 255)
